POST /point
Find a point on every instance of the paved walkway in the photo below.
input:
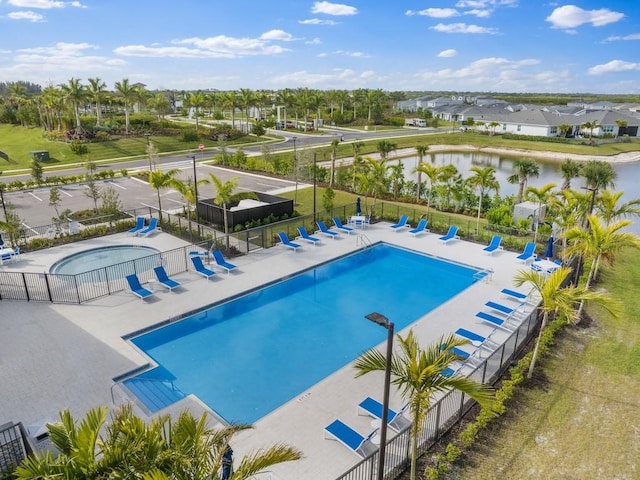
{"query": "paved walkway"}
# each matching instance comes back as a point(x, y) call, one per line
point(57, 356)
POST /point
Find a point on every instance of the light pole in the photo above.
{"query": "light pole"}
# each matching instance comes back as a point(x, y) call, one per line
point(295, 172)
point(383, 321)
point(195, 187)
point(148, 135)
point(314, 187)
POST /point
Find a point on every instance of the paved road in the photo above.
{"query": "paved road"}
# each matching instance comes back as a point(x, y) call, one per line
point(33, 205)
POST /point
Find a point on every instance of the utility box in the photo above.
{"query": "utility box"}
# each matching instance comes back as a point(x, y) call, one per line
point(40, 155)
point(529, 210)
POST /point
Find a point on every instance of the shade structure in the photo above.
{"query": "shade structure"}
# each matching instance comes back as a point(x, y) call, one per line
point(358, 208)
point(549, 251)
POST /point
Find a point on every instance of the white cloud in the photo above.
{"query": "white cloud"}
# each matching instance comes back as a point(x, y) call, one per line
point(277, 35)
point(329, 8)
point(449, 53)
point(61, 49)
point(486, 3)
point(435, 12)
point(480, 13)
point(317, 21)
point(44, 4)
point(313, 41)
point(633, 36)
point(570, 16)
point(614, 66)
point(336, 78)
point(463, 28)
point(351, 54)
point(26, 15)
point(220, 46)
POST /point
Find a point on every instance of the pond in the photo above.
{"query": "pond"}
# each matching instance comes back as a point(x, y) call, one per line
point(627, 174)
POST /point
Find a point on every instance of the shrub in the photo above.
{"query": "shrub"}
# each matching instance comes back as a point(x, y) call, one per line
point(79, 148)
point(190, 135)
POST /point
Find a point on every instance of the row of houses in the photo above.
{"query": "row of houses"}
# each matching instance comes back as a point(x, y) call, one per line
point(610, 119)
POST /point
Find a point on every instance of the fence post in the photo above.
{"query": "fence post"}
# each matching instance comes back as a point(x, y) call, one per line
point(26, 289)
point(46, 282)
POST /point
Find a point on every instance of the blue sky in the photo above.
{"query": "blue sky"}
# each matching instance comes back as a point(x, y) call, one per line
point(465, 45)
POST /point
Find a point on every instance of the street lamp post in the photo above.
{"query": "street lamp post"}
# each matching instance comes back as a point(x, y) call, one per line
point(195, 187)
point(148, 135)
point(314, 187)
point(383, 321)
point(295, 172)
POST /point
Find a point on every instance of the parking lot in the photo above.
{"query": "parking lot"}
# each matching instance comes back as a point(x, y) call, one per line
point(33, 205)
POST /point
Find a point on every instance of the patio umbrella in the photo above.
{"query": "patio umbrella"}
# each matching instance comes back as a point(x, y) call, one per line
point(549, 251)
point(358, 209)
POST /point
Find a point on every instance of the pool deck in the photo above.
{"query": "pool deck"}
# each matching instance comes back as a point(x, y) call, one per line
point(57, 356)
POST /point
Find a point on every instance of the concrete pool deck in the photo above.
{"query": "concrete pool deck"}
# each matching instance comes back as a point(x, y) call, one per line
point(57, 356)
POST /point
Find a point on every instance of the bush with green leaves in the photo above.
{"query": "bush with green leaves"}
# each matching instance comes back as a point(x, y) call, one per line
point(78, 147)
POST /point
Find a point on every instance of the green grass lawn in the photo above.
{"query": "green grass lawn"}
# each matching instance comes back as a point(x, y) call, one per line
point(578, 419)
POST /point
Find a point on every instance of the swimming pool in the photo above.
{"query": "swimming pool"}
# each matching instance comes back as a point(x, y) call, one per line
point(101, 257)
point(246, 357)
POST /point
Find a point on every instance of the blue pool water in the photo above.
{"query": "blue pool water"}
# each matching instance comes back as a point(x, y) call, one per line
point(246, 357)
point(101, 257)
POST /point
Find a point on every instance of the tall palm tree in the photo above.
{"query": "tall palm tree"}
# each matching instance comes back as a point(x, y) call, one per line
point(305, 100)
point(569, 169)
point(375, 179)
point(541, 196)
point(160, 104)
point(417, 373)
point(97, 91)
point(224, 191)
point(231, 100)
point(248, 100)
point(608, 208)
point(75, 93)
point(523, 169)
point(558, 301)
point(598, 175)
point(128, 93)
point(432, 172)
point(197, 101)
point(591, 126)
point(483, 180)
point(421, 150)
point(448, 175)
point(599, 242)
point(160, 180)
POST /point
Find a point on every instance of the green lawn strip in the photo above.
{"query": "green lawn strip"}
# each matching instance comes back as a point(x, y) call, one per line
point(579, 418)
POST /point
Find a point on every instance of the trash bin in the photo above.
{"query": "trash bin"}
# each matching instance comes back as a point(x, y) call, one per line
point(40, 155)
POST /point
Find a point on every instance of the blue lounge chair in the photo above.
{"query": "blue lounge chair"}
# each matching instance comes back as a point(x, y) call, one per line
point(508, 311)
point(515, 294)
point(288, 243)
point(343, 433)
point(304, 235)
point(402, 223)
point(451, 235)
point(420, 228)
point(528, 253)
point(164, 280)
point(476, 340)
point(153, 226)
point(137, 289)
point(325, 231)
point(221, 262)
point(138, 228)
point(494, 321)
point(395, 420)
point(494, 246)
point(343, 228)
point(201, 269)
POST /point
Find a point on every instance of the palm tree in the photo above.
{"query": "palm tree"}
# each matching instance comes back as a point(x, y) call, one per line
point(160, 104)
point(248, 100)
point(97, 92)
point(421, 150)
point(417, 373)
point(129, 94)
point(433, 174)
point(622, 125)
point(231, 100)
point(224, 191)
point(569, 169)
point(375, 179)
point(197, 101)
point(159, 180)
point(598, 175)
point(607, 206)
point(541, 196)
point(385, 148)
point(448, 175)
point(180, 449)
point(483, 180)
point(599, 242)
point(591, 126)
point(558, 301)
point(523, 169)
point(75, 93)
point(563, 129)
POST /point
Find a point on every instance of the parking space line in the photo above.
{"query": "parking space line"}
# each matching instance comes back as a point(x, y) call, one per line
point(35, 196)
point(27, 226)
point(65, 192)
point(116, 185)
point(176, 201)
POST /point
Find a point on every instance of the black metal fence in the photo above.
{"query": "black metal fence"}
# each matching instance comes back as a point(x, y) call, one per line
point(446, 411)
point(14, 446)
